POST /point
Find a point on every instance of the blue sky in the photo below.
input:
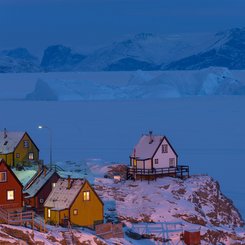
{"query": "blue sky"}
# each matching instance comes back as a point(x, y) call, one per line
point(88, 24)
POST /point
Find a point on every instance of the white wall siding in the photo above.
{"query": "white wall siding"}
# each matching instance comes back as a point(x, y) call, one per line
point(140, 164)
point(148, 164)
point(163, 158)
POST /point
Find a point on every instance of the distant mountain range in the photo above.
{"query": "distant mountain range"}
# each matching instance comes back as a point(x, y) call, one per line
point(145, 51)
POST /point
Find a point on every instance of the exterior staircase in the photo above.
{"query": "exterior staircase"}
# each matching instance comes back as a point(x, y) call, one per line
point(69, 239)
point(27, 218)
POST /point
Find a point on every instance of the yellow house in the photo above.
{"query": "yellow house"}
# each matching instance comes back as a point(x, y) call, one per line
point(74, 201)
point(17, 147)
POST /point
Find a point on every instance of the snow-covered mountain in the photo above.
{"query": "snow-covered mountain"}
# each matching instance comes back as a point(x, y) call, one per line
point(144, 51)
point(18, 60)
point(228, 51)
point(60, 58)
point(142, 85)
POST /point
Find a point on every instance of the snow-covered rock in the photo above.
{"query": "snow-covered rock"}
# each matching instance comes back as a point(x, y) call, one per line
point(18, 60)
point(228, 51)
point(196, 202)
point(60, 58)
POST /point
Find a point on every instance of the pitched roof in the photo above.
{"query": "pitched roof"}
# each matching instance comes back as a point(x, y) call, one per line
point(2, 161)
point(147, 146)
point(8, 144)
point(61, 197)
point(37, 182)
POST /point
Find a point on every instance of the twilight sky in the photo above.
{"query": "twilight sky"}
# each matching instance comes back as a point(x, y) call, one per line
point(86, 24)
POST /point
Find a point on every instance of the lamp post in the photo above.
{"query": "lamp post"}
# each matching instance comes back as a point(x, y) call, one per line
point(50, 143)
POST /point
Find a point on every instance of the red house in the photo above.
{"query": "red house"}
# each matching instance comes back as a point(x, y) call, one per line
point(38, 188)
point(10, 189)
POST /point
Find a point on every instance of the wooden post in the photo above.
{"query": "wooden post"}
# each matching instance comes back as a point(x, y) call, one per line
point(21, 218)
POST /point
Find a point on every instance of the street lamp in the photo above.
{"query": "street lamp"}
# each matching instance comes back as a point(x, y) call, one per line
point(50, 143)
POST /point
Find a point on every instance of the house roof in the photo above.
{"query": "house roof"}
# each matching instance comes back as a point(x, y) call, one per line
point(8, 144)
point(147, 146)
point(37, 182)
point(61, 197)
point(10, 170)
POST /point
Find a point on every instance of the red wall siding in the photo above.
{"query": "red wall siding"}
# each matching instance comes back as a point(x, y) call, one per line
point(11, 184)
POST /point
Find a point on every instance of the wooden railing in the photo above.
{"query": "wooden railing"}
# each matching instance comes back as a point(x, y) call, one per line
point(22, 218)
point(180, 171)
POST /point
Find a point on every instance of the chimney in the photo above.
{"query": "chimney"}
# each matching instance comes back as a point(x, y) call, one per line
point(39, 167)
point(69, 182)
point(5, 133)
point(44, 171)
point(150, 137)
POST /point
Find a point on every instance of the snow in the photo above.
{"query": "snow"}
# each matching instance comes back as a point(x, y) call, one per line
point(25, 175)
point(38, 183)
point(8, 144)
point(146, 148)
point(61, 197)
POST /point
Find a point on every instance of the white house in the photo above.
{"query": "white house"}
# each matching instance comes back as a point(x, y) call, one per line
point(153, 152)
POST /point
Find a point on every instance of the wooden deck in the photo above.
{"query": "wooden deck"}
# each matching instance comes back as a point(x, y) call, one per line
point(181, 171)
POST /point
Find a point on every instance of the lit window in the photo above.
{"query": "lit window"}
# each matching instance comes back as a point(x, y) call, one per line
point(164, 148)
point(171, 162)
point(3, 176)
point(31, 156)
point(156, 161)
point(53, 185)
point(26, 143)
point(49, 213)
point(17, 155)
point(135, 162)
point(10, 195)
point(86, 195)
point(75, 211)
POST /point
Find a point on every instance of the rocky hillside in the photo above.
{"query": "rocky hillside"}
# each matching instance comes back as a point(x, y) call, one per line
point(15, 235)
point(197, 202)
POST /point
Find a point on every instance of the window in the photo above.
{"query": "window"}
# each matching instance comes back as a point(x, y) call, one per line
point(135, 162)
point(165, 148)
point(26, 143)
point(3, 176)
point(86, 196)
point(75, 212)
point(41, 200)
point(17, 155)
point(49, 213)
point(171, 162)
point(53, 185)
point(10, 195)
point(31, 156)
point(156, 161)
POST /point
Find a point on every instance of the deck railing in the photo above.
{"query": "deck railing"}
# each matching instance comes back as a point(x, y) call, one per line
point(22, 218)
point(180, 171)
